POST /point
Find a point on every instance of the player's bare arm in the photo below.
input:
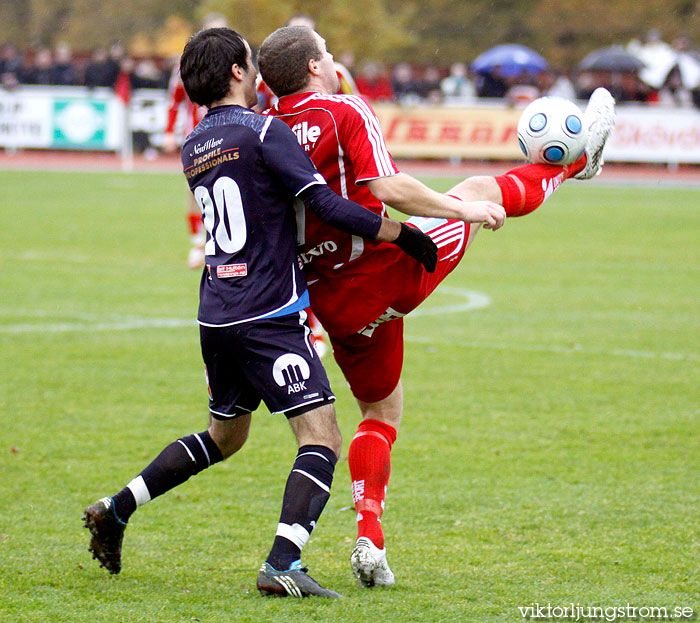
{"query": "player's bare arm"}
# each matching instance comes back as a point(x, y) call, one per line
point(352, 218)
point(406, 194)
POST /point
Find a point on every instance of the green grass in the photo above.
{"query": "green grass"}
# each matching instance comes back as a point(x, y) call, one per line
point(550, 448)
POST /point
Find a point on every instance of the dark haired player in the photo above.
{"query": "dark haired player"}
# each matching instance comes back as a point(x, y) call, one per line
point(246, 172)
point(361, 291)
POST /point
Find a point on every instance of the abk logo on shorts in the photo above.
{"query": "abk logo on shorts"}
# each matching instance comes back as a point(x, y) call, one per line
point(293, 371)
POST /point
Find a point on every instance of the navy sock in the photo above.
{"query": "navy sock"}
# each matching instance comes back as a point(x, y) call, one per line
point(174, 465)
point(305, 496)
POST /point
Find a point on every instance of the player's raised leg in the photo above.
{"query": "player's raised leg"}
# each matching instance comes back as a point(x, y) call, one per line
point(108, 517)
point(599, 119)
point(305, 496)
point(524, 188)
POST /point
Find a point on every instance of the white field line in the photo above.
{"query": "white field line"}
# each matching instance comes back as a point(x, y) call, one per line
point(545, 348)
point(82, 322)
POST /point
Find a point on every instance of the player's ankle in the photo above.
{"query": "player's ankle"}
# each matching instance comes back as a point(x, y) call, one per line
point(576, 167)
point(370, 526)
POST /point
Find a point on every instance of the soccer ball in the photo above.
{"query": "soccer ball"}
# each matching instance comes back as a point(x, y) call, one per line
point(551, 131)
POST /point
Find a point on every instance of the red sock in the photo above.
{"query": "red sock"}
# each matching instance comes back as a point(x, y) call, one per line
point(525, 188)
point(194, 221)
point(369, 458)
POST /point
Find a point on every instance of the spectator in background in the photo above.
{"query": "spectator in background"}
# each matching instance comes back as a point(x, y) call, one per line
point(37, 70)
point(407, 90)
point(632, 89)
point(682, 43)
point(522, 90)
point(63, 71)
point(587, 81)
point(555, 83)
point(373, 84)
point(492, 84)
point(147, 75)
point(10, 64)
point(114, 61)
point(672, 91)
point(651, 48)
point(10, 61)
point(457, 88)
point(99, 71)
point(683, 46)
point(429, 86)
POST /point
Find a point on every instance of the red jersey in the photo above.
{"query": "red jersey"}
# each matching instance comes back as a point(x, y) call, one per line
point(177, 96)
point(349, 278)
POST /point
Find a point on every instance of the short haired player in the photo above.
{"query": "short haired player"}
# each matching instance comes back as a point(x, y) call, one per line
point(361, 290)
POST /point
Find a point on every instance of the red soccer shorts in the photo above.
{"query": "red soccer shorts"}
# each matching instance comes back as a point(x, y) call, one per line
point(371, 359)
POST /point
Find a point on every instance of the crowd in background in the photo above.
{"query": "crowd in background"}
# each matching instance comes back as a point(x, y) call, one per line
point(404, 83)
point(102, 68)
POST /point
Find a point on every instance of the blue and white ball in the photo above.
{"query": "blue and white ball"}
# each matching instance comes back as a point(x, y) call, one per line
point(551, 131)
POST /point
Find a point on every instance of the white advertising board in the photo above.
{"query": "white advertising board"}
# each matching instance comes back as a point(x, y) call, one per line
point(79, 118)
point(61, 118)
point(650, 134)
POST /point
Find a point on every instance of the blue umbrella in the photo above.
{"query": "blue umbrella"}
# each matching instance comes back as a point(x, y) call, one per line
point(511, 59)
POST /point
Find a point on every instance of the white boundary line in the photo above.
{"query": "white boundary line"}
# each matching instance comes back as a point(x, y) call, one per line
point(93, 322)
point(472, 300)
point(577, 349)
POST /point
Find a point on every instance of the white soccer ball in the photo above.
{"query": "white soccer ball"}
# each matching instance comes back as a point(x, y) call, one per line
point(551, 131)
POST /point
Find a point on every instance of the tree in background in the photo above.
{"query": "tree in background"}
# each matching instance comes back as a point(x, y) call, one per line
point(562, 32)
point(86, 24)
point(369, 28)
point(429, 31)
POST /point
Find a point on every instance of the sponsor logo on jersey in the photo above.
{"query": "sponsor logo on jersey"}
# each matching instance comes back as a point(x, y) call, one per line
point(306, 135)
point(210, 144)
point(226, 271)
point(328, 246)
point(210, 160)
point(292, 371)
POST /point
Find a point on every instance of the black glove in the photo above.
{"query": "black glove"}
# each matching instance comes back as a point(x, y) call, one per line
point(418, 245)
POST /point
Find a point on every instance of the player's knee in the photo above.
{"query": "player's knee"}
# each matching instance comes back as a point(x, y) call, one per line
point(390, 417)
point(477, 188)
point(230, 435)
point(387, 410)
point(318, 427)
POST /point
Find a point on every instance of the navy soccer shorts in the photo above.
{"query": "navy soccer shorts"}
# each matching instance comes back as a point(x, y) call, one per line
point(272, 360)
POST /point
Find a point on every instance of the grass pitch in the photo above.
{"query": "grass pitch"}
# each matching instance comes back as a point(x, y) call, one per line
point(550, 448)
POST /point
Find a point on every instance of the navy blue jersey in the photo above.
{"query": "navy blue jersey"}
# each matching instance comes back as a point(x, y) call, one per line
point(245, 171)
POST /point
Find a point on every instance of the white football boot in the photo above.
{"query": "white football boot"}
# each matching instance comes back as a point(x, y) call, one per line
point(369, 564)
point(599, 119)
point(196, 258)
